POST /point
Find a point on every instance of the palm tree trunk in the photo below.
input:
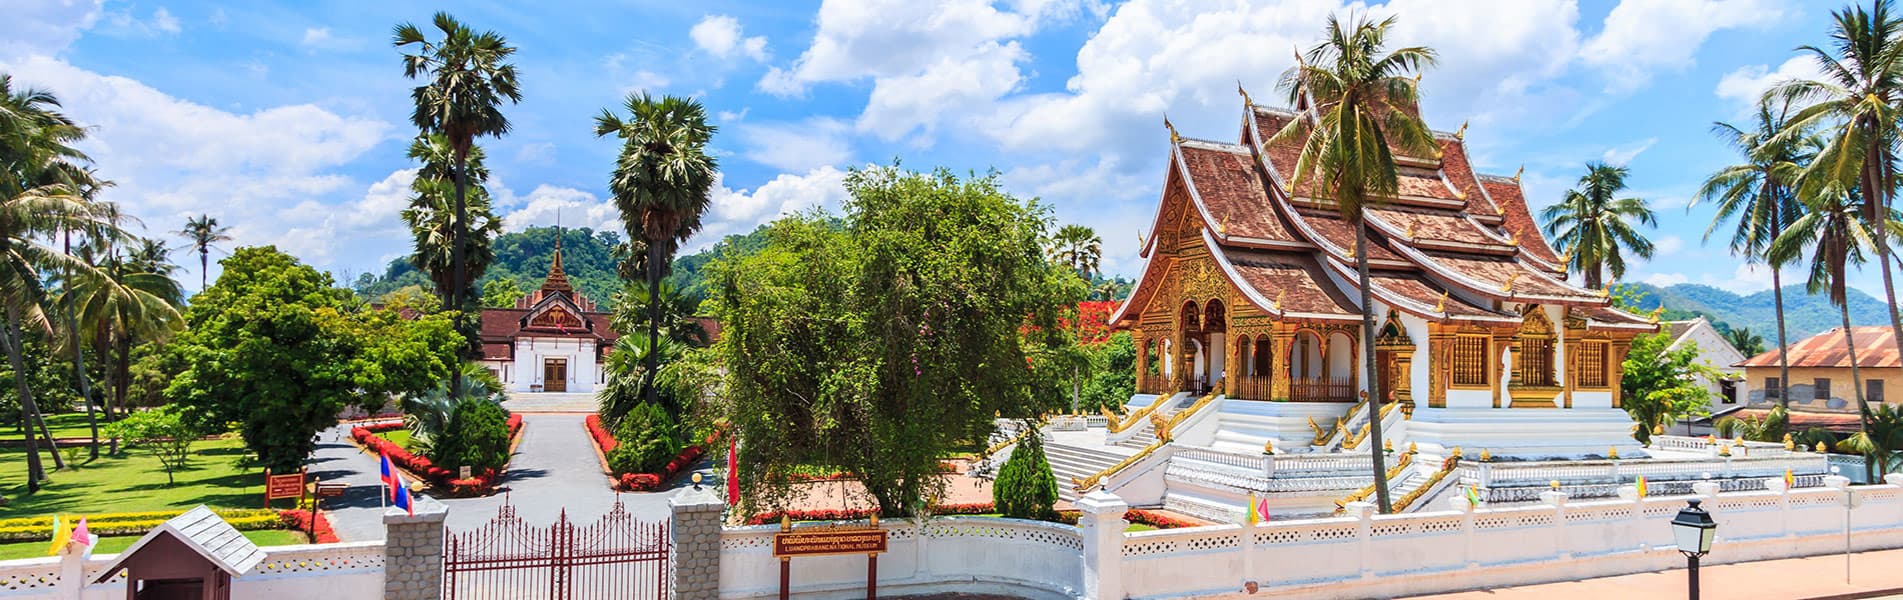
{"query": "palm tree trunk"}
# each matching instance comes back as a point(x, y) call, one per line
point(1783, 359)
point(29, 411)
point(654, 321)
point(204, 267)
point(79, 354)
point(1878, 217)
point(1375, 447)
point(1856, 386)
point(456, 274)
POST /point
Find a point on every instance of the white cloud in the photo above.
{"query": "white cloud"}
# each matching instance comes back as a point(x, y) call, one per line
point(537, 153)
point(879, 39)
point(1620, 157)
point(1666, 279)
point(125, 23)
point(800, 146)
point(1667, 246)
point(737, 211)
point(321, 38)
point(721, 35)
point(920, 101)
point(1746, 84)
point(47, 27)
point(548, 205)
point(1643, 36)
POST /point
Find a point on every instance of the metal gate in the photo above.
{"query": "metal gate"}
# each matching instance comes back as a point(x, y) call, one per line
point(617, 556)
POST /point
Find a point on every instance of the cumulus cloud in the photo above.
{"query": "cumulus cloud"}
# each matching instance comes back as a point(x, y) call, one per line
point(548, 205)
point(721, 35)
point(799, 146)
point(737, 211)
point(47, 27)
point(1747, 84)
point(1643, 36)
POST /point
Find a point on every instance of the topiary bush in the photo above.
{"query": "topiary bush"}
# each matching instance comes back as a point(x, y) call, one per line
point(477, 436)
point(1025, 488)
point(645, 440)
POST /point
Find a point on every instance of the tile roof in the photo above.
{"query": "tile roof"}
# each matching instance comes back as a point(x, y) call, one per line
point(205, 533)
point(1225, 180)
point(1876, 348)
point(1291, 282)
point(1437, 225)
point(1519, 218)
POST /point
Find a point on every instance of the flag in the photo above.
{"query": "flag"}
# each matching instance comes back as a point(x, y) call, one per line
point(83, 536)
point(60, 535)
point(1252, 508)
point(1641, 486)
point(1790, 479)
point(389, 478)
point(733, 471)
point(1262, 507)
point(402, 495)
point(1473, 495)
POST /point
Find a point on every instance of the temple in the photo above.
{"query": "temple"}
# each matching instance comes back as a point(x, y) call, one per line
point(553, 340)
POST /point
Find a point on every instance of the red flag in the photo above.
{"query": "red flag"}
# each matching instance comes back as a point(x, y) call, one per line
point(733, 471)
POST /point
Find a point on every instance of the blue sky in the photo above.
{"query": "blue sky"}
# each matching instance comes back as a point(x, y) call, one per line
point(288, 121)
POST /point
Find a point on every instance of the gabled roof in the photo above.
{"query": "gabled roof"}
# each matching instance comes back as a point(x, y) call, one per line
point(1876, 348)
point(202, 531)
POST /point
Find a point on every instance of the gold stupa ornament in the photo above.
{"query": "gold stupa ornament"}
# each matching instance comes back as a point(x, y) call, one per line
point(1613, 453)
point(1268, 447)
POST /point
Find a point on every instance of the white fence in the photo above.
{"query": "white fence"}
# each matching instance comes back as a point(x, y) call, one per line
point(313, 572)
point(964, 554)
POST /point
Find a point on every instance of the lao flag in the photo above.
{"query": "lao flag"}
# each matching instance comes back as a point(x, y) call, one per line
point(402, 496)
point(389, 478)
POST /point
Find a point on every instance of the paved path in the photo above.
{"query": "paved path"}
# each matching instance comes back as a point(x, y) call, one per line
point(554, 469)
point(1873, 575)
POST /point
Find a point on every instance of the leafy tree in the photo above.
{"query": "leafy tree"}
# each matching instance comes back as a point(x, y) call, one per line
point(273, 347)
point(163, 431)
point(1595, 228)
point(626, 374)
point(878, 347)
point(1769, 428)
point(1364, 111)
point(501, 292)
point(661, 183)
point(1659, 388)
point(476, 436)
point(412, 298)
point(1747, 343)
point(1858, 102)
point(431, 413)
point(1078, 247)
point(1114, 376)
point(647, 438)
point(203, 231)
point(1761, 193)
point(1025, 488)
point(676, 315)
point(128, 301)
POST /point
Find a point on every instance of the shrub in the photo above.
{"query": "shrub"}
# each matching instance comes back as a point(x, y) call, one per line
point(477, 437)
point(164, 432)
point(646, 438)
point(1025, 488)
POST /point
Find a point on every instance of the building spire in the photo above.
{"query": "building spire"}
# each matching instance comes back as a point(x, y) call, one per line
point(557, 280)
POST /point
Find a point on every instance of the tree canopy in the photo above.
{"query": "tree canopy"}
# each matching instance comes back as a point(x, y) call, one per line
point(878, 347)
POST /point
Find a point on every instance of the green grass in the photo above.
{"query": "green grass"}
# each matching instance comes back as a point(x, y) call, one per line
point(1138, 527)
point(135, 482)
point(400, 437)
point(116, 544)
point(64, 425)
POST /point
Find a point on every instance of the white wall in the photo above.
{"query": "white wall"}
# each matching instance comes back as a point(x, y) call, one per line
point(304, 572)
point(583, 372)
point(965, 554)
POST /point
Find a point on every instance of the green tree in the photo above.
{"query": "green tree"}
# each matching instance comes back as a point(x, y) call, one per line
point(878, 347)
point(476, 436)
point(1834, 235)
point(1769, 428)
point(501, 292)
point(202, 232)
point(273, 347)
point(1597, 229)
point(430, 414)
point(468, 77)
point(1079, 248)
point(163, 431)
point(1859, 101)
point(126, 302)
point(1881, 441)
point(647, 438)
point(1364, 111)
point(676, 315)
point(1761, 193)
point(660, 184)
point(1113, 376)
point(1025, 488)
point(1659, 387)
point(433, 218)
point(1747, 343)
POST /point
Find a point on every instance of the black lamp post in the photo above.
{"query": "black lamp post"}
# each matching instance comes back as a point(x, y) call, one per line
point(1693, 528)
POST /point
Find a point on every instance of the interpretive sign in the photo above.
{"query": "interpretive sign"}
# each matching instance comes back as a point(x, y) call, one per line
point(283, 486)
point(823, 542)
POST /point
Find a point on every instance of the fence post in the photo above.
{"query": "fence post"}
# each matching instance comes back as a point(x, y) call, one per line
point(1562, 545)
point(413, 551)
point(1466, 509)
point(1630, 493)
point(1102, 527)
point(72, 572)
point(1363, 512)
point(1776, 484)
point(695, 533)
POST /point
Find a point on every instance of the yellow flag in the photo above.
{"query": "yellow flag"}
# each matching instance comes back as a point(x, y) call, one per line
point(1251, 509)
point(62, 531)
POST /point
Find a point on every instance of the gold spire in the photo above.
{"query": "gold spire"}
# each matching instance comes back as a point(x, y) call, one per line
point(1174, 138)
point(557, 280)
point(1461, 134)
point(1441, 307)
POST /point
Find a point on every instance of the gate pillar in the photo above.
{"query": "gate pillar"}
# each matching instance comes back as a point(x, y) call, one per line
point(696, 541)
point(413, 551)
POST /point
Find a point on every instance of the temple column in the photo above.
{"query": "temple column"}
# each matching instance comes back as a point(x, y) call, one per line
point(1440, 343)
point(1282, 342)
point(1143, 360)
point(1616, 365)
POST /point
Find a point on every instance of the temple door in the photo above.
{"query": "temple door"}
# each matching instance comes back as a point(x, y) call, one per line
point(554, 374)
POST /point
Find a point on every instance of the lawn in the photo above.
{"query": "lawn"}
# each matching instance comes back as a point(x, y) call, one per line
point(64, 425)
point(135, 482)
point(400, 437)
point(116, 544)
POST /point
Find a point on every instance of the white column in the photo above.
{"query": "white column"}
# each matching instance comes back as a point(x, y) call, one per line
point(72, 572)
point(1363, 512)
point(1466, 510)
point(1562, 546)
point(1102, 526)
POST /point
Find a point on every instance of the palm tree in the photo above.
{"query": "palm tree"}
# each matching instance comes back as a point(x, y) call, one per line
point(1107, 290)
point(1769, 428)
point(660, 184)
point(431, 215)
point(1595, 228)
point(203, 231)
point(88, 189)
point(1361, 104)
point(129, 300)
point(1760, 193)
point(1077, 247)
point(1834, 235)
point(1858, 97)
point(469, 77)
point(1881, 442)
point(1747, 343)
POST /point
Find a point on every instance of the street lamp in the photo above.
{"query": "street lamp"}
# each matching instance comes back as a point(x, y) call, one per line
point(1693, 528)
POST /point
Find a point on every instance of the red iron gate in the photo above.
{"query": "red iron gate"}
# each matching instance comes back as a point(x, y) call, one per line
point(617, 556)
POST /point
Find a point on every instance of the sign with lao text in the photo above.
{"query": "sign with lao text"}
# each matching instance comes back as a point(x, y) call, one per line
point(283, 486)
point(822, 542)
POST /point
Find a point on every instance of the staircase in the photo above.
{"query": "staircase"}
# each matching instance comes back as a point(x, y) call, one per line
point(1075, 462)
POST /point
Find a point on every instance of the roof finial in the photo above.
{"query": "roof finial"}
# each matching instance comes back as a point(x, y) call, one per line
point(1517, 174)
point(1174, 138)
point(1246, 103)
point(1223, 227)
point(1461, 133)
point(1513, 238)
point(1441, 307)
point(1140, 239)
point(1278, 300)
point(1511, 277)
point(1410, 229)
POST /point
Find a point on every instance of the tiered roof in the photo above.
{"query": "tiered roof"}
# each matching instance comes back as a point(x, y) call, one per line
point(1453, 245)
point(555, 310)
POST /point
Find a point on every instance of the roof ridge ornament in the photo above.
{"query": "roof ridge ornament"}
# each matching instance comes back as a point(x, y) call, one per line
point(1278, 300)
point(1511, 277)
point(1140, 240)
point(1441, 307)
point(1461, 134)
point(1517, 174)
point(1223, 227)
point(1246, 102)
point(1174, 137)
point(1410, 230)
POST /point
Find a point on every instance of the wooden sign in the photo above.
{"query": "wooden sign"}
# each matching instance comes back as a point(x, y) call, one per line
point(331, 490)
point(824, 542)
point(282, 486)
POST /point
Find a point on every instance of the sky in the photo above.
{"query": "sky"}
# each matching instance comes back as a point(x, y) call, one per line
point(288, 121)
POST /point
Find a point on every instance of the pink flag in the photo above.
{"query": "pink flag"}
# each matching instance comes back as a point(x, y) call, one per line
point(733, 471)
point(82, 535)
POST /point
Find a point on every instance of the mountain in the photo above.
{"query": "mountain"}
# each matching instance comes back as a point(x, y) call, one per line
point(1804, 315)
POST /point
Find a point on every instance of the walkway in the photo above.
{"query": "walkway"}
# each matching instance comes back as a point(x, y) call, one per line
point(1873, 575)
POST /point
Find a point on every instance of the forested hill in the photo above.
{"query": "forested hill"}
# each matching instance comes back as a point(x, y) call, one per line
point(1804, 315)
point(587, 258)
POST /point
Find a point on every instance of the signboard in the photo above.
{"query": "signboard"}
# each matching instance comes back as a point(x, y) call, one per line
point(824, 542)
point(331, 490)
point(282, 486)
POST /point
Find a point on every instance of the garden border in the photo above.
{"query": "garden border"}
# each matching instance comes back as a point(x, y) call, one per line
point(604, 442)
point(482, 484)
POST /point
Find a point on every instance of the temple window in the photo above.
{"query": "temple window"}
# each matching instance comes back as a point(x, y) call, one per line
point(1592, 364)
point(1264, 355)
point(1470, 360)
point(1535, 358)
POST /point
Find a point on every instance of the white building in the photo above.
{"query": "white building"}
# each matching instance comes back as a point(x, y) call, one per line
point(1713, 351)
point(554, 340)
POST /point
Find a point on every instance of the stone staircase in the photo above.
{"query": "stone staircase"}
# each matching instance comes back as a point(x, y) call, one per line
point(1070, 462)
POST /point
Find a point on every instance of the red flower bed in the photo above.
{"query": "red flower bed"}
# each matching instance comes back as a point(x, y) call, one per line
point(834, 514)
point(603, 439)
point(483, 482)
point(643, 482)
point(1136, 515)
point(300, 520)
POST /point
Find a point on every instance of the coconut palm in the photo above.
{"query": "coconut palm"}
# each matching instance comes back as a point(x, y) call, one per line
point(1831, 237)
point(1881, 441)
point(1760, 193)
point(1856, 101)
point(130, 299)
point(660, 184)
point(431, 215)
point(87, 188)
point(202, 232)
point(1596, 229)
point(468, 77)
point(1747, 343)
point(1077, 247)
point(1361, 111)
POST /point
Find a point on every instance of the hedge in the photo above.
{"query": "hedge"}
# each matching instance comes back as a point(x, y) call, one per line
point(850, 514)
point(1137, 515)
point(645, 482)
point(482, 482)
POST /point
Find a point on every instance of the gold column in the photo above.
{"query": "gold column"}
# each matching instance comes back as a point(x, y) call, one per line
point(1282, 342)
point(1439, 364)
point(1616, 365)
point(1143, 360)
